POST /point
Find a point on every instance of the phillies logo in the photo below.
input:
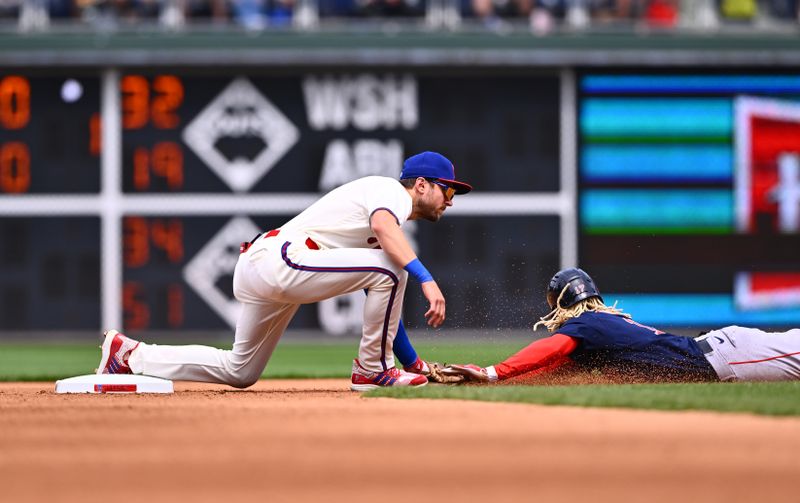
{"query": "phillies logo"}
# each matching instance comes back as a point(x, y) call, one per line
point(240, 135)
point(767, 166)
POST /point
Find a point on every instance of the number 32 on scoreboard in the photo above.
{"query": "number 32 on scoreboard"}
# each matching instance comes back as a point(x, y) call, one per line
point(155, 103)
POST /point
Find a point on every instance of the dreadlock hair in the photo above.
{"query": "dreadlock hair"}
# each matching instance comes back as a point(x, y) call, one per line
point(559, 315)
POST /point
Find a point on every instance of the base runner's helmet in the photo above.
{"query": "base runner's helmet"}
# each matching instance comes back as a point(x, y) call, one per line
point(580, 287)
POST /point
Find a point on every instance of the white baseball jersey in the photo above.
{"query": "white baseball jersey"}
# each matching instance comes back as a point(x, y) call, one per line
point(281, 271)
point(340, 219)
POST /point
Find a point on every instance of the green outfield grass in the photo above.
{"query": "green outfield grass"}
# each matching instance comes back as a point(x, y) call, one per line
point(49, 361)
point(773, 399)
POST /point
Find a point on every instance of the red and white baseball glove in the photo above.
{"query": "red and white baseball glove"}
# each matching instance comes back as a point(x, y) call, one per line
point(433, 371)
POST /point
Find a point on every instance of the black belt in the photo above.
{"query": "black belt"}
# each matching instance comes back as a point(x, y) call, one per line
point(704, 346)
point(243, 247)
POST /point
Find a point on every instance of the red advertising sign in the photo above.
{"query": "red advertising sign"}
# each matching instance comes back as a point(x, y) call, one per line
point(767, 175)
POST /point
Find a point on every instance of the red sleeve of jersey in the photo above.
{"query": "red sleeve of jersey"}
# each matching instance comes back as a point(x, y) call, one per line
point(539, 354)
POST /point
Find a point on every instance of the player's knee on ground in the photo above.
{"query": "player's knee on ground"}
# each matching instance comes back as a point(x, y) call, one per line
point(243, 375)
point(245, 380)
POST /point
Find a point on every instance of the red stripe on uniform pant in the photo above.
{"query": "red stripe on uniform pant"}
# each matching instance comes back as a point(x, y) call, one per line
point(392, 276)
point(765, 359)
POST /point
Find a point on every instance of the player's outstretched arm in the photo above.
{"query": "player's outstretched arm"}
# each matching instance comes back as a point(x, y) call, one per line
point(540, 354)
point(543, 355)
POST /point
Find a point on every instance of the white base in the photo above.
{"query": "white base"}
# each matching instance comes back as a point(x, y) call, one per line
point(113, 383)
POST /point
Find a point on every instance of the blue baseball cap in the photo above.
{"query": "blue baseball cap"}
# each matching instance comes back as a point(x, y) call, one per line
point(436, 166)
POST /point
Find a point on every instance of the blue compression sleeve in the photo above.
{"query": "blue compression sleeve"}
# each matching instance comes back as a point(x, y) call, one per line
point(416, 269)
point(403, 349)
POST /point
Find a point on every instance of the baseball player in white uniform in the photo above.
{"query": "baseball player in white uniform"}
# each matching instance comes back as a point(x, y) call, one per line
point(350, 239)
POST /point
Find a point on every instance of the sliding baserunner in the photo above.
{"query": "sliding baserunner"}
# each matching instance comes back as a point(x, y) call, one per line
point(590, 336)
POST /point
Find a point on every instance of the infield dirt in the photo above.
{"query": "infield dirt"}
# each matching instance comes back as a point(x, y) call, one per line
point(314, 440)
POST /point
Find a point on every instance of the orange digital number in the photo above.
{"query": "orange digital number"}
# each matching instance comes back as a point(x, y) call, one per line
point(141, 168)
point(168, 97)
point(175, 305)
point(95, 135)
point(15, 167)
point(135, 101)
point(139, 234)
point(135, 311)
point(158, 103)
point(167, 236)
point(15, 102)
point(165, 160)
point(135, 242)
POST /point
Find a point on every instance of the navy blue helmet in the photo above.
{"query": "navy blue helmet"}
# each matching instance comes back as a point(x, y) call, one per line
point(581, 286)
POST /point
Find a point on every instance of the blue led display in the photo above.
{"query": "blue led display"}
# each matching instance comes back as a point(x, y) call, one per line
point(656, 210)
point(691, 84)
point(698, 310)
point(656, 117)
point(656, 163)
point(656, 158)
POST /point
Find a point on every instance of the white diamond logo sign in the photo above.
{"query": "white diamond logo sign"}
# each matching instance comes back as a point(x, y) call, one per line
point(240, 135)
point(216, 260)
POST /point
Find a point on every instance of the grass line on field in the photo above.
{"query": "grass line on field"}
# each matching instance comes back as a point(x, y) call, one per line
point(772, 399)
point(53, 361)
point(332, 359)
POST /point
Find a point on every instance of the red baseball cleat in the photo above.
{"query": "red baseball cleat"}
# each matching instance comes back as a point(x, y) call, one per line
point(419, 367)
point(116, 349)
point(365, 380)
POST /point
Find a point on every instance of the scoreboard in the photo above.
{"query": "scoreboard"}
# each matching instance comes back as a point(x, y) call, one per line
point(690, 195)
point(153, 188)
point(124, 196)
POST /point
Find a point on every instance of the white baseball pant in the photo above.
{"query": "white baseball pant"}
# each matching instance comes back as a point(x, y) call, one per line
point(272, 278)
point(750, 354)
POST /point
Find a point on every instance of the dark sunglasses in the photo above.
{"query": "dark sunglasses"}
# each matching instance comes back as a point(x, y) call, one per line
point(448, 191)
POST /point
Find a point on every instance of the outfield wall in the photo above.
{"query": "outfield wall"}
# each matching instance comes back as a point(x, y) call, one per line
point(132, 166)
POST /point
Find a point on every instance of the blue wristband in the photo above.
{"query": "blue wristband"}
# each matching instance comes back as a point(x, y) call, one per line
point(416, 269)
